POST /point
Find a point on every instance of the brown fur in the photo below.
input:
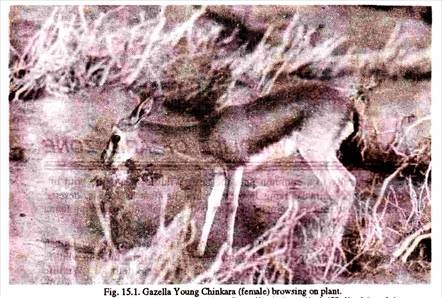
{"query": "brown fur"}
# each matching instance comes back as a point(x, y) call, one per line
point(240, 131)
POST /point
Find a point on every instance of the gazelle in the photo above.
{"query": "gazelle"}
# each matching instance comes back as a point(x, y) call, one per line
point(309, 117)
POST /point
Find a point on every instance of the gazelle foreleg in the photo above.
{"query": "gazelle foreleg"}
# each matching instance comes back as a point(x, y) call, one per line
point(213, 202)
point(233, 197)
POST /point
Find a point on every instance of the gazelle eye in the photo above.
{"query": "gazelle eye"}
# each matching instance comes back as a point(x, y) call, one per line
point(115, 139)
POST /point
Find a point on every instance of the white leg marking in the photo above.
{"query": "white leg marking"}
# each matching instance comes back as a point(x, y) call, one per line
point(236, 182)
point(213, 202)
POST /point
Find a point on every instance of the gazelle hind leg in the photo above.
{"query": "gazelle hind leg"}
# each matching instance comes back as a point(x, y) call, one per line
point(233, 197)
point(213, 202)
point(341, 209)
point(339, 186)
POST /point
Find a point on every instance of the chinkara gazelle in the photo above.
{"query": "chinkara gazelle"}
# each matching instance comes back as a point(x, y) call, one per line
point(310, 117)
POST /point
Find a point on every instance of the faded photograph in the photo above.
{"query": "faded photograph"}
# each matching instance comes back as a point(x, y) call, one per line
point(220, 144)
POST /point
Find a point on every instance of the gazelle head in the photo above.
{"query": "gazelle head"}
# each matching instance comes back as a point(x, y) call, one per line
point(123, 142)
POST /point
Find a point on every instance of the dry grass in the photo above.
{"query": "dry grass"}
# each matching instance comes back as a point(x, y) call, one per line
point(71, 52)
point(166, 260)
point(389, 221)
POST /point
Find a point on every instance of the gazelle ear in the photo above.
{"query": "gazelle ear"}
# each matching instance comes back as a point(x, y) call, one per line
point(142, 109)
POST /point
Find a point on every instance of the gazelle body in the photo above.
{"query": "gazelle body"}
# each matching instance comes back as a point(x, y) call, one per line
point(308, 117)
